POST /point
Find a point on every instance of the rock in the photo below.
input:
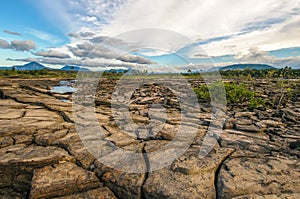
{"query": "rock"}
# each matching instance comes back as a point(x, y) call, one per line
point(168, 132)
point(99, 193)
point(123, 183)
point(229, 123)
point(257, 143)
point(264, 176)
point(271, 196)
point(46, 139)
point(6, 141)
point(39, 146)
point(9, 193)
point(295, 145)
point(245, 115)
point(75, 147)
point(9, 114)
point(242, 121)
point(61, 180)
point(32, 156)
point(249, 128)
point(23, 139)
point(119, 138)
point(18, 162)
point(290, 115)
point(188, 177)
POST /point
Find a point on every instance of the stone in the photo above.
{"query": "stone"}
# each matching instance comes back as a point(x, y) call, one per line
point(256, 154)
point(290, 115)
point(295, 145)
point(264, 176)
point(121, 175)
point(60, 180)
point(46, 139)
point(270, 196)
point(9, 114)
point(188, 177)
point(18, 162)
point(249, 128)
point(99, 193)
point(32, 156)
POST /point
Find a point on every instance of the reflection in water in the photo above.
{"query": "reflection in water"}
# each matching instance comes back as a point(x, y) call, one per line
point(64, 87)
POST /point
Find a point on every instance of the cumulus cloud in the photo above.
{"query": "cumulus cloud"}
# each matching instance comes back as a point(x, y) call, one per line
point(81, 34)
point(4, 44)
point(219, 27)
point(52, 53)
point(12, 33)
point(255, 55)
point(25, 45)
point(18, 45)
point(90, 50)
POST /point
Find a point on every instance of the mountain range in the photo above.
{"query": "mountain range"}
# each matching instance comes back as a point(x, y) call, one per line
point(38, 66)
point(242, 67)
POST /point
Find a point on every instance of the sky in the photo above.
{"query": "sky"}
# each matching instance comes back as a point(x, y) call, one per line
point(150, 35)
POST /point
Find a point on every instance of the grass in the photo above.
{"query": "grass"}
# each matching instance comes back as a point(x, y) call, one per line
point(37, 74)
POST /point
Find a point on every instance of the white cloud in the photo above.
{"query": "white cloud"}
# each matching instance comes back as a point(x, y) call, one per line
point(18, 45)
point(255, 55)
point(242, 25)
point(283, 35)
point(52, 53)
point(43, 35)
point(4, 44)
point(254, 23)
point(196, 19)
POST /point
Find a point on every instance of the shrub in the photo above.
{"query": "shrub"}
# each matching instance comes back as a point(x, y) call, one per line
point(236, 94)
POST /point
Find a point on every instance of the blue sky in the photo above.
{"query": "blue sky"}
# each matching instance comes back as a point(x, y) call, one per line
point(218, 32)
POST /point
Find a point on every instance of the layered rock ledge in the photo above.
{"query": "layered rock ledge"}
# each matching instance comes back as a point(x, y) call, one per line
point(256, 154)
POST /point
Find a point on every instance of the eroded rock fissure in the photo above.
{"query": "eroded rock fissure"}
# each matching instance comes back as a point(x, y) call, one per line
point(147, 163)
point(217, 187)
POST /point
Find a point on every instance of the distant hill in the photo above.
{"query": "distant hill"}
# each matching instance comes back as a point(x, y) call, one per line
point(74, 68)
point(247, 66)
point(38, 66)
point(29, 66)
point(5, 68)
point(116, 71)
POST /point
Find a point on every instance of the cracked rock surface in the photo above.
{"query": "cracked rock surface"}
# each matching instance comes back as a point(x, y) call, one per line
point(256, 154)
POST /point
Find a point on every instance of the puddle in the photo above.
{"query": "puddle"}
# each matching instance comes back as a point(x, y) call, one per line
point(65, 100)
point(64, 87)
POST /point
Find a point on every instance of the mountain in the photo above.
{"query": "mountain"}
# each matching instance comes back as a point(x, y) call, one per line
point(5, 68)
point(116, 71)
point(247, 66)
point(74, 68)
point(30, 66)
